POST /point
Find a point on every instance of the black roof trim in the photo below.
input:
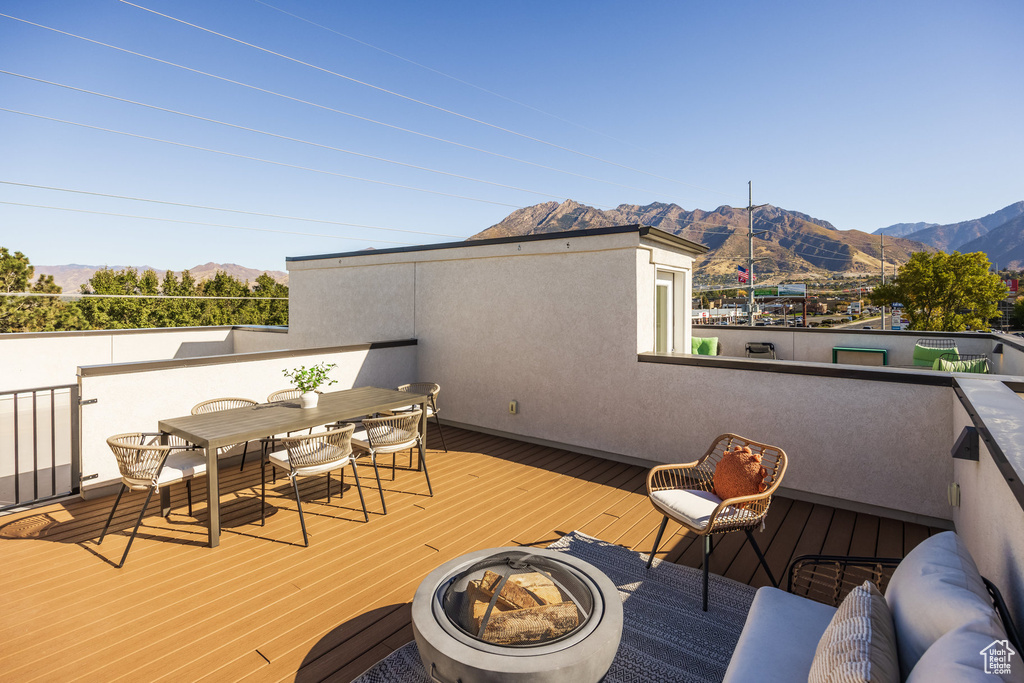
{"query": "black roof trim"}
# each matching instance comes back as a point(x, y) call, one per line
point(879, 374)
point(643, 230)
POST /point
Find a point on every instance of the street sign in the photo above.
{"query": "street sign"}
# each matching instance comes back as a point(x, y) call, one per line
point(765, 291)
point(793, 290)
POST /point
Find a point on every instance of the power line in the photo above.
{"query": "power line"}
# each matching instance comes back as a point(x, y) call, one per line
point(332, 109)
point(405, 97)
point(82, 295)
point(479, 87)
point(211, 225)
point(278, 136)
point(260, 159)
point(215, 208)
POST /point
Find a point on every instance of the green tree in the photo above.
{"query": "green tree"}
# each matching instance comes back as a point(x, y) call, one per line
point(945, 292)
point(26, 314)
point(1017, 314)
point(268, 312)
point(179, 312)
point(116, 313)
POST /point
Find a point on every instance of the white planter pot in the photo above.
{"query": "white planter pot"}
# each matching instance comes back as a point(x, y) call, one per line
point(309, 399)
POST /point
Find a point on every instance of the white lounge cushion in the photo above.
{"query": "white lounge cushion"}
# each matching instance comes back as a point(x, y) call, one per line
point(694, 507)
point(405, 409)
point(935, 589)
point(778, 640)
point(179, 465)
point(280, 458)
point(859, 645)
point(957, 656)
point(361, 441)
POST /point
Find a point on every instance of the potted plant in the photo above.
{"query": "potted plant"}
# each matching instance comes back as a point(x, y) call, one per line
point(308, 380)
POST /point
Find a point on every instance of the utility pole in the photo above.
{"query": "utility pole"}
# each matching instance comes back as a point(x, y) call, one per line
point(750, 243)
point(881, 244)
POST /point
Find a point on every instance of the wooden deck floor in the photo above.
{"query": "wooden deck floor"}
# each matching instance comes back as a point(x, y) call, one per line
point(263, 608)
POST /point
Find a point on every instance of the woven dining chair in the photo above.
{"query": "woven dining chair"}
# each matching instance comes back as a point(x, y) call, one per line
point(145, 464)
point(685, 493)
point(309, 455)
point(217, 404)
point(391, 434)
point(431, 389)
point(284, 395)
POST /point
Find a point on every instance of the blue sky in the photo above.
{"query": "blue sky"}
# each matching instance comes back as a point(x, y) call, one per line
point(862, 114)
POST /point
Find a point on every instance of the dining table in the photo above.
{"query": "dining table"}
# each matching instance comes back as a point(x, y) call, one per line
point(212, 431)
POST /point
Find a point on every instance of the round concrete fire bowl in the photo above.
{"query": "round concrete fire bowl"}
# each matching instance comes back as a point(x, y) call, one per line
point(517, 614)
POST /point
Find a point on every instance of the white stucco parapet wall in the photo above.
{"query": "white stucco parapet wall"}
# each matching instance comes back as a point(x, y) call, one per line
point(350, 297)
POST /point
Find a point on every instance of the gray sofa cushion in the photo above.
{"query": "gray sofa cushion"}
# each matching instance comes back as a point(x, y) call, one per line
point(957, 657)
point(936, 588)
point(779, 638)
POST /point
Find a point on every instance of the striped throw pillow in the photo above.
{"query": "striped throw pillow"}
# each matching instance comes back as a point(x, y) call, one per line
point(859, 645)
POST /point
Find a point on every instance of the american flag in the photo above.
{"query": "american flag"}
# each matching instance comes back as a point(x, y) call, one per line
point(742, 274)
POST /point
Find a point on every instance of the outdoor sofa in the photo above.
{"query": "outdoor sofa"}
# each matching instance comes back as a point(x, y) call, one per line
point(942, 624)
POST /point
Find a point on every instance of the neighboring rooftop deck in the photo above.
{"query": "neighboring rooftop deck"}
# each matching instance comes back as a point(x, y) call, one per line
point(262, 607)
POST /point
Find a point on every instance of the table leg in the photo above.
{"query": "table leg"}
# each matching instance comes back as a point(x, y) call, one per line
point(213, 496)
point(165, 492)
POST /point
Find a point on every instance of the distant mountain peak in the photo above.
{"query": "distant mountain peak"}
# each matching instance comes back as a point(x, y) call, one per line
point(793, 242)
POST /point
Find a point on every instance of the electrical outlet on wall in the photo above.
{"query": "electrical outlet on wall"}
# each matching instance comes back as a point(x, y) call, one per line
point(513, 407)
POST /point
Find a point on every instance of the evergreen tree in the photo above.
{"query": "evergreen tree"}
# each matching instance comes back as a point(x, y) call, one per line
point(26, 314)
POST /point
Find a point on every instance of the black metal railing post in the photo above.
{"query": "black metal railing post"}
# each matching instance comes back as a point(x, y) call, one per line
point(19, 448)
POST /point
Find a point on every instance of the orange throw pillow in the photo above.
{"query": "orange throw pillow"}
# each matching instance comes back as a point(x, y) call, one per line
point(739, 473)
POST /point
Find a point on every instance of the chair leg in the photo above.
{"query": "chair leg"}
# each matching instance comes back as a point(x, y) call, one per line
point(244, 451)
point(298, 502)
point(394, 464)
point(263, 493)
point(328, 488)
point(188, 490)
point(707, 555)
point(657, 540)
point(380, 486)
point(423, 462)
point(112, 510)
point(341, 475)
point(362, 501)
point(760, 557)
point(136, 529)
point(440, 433)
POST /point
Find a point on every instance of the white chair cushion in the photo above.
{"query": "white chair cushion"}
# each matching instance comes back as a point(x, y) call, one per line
point(859, 645)
point(778, 639)
point(361, 441)
point(957, 657)
point(935, 589)
point(180, 466)
point(405, 409)
point(694, 507)
point(280, 458)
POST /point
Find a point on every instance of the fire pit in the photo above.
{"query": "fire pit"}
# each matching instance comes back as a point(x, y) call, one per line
point(515, 614)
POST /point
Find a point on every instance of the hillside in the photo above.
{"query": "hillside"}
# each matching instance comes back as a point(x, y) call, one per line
point(71, 277)
point(955, 236)
point(903, 229)
point(793, 242)
point(1003, 245)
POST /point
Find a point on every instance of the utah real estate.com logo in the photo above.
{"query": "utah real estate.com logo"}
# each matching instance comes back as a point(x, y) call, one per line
point(997, 657)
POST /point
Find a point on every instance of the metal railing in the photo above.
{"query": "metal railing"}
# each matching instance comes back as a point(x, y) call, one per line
point(39, 450)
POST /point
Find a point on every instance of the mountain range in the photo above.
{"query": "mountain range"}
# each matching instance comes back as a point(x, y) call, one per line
point(1000, 235)
point(791, 243)
point(71, 277)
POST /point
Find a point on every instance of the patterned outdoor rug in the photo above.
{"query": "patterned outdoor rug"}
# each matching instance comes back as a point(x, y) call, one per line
point(665, 636)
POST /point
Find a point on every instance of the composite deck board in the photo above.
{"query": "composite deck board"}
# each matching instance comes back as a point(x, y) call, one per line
point(261, 607)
